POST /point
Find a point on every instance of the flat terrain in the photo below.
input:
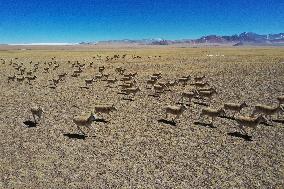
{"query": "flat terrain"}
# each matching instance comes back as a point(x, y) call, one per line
point(133, 149)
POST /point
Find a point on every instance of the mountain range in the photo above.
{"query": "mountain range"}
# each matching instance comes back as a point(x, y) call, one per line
point(245, 38)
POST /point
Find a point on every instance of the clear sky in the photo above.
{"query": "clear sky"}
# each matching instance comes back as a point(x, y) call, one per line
point(27, 21)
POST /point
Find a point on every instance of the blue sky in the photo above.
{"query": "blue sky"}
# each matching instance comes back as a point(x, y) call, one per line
point(27, 21)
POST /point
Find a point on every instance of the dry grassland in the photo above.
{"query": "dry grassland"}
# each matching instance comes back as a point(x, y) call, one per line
point(133, 149)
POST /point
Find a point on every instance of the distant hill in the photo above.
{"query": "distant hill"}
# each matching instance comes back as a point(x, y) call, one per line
point(245, 38)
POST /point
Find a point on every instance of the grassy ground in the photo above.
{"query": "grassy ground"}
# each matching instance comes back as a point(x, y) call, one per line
point(134, 150)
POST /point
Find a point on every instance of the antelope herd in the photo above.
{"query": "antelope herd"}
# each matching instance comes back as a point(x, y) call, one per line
point(201, 93)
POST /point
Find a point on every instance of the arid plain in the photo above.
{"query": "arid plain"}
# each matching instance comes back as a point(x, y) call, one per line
point(136, 146)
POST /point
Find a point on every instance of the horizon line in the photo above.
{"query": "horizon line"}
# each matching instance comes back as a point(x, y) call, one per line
point(108, 40)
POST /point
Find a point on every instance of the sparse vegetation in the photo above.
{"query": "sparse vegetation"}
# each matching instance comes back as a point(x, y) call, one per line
point(134, 149)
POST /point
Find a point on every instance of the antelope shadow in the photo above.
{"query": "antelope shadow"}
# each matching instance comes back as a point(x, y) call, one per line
point(278, 120)
point(201, 103)
point(240, 135)
point(227, 117)
point(75, 136)
point(30, 123)
point(129, 99)
point(155, 95)
point(102, 120)
point(181, 103)
point(169, 122)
